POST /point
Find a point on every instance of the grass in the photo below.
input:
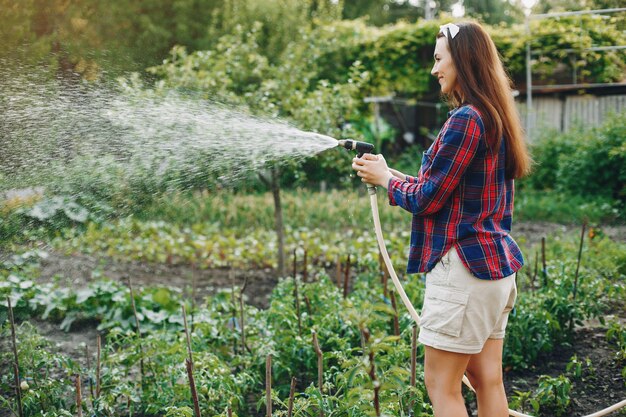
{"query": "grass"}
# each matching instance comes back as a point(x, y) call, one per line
point(343, 209)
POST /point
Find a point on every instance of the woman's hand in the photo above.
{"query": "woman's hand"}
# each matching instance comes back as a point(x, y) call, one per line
point(372, 169)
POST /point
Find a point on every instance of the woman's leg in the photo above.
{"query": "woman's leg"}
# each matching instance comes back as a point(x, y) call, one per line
point(443, 372)
point(485, 373)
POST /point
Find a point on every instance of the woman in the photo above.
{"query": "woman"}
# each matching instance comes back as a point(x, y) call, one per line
point(462, 205)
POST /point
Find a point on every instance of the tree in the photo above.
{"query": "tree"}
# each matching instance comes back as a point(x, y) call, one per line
point(551, 6)
point(384, 12)
point(494, 12)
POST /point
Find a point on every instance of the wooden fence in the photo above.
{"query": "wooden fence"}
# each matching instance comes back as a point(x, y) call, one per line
point(571, 111)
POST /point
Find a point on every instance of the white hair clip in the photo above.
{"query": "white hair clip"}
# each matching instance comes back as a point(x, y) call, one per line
point(454, 29)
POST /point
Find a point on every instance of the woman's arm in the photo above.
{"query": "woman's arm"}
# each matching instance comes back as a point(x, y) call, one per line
point(459, 141)
point(398, 174)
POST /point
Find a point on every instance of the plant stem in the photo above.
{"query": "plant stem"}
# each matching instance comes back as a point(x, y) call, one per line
point(16, 363)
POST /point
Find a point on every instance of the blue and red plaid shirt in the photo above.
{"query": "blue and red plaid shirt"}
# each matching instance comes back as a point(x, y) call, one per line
point(461, 198)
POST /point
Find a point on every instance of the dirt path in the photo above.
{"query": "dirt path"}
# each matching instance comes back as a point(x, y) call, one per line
point(600, 385)
point(77, 270)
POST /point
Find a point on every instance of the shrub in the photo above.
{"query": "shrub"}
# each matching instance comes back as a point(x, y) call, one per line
point(586, 162)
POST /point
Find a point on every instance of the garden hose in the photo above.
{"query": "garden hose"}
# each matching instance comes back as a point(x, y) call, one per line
point(371, 190)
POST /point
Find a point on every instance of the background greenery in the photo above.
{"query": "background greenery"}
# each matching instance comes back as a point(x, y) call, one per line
point(310, 62)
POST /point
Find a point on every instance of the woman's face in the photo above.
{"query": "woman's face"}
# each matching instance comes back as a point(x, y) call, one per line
point(444, 67)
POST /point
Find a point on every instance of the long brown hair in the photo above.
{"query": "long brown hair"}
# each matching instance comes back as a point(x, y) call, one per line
point(483, 82)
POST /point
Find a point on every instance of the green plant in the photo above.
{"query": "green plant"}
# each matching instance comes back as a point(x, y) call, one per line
point(553, 393)
point(47, 374)
point(579, 369)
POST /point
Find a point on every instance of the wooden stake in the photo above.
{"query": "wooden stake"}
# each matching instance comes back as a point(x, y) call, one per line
point(268, 386)
point(232, 299)
point(295, 267)
point(580, 254)
point(296, 298)
point(305, 268)
point(189, 365)
point(79, 399)
point(543, 262)
point(132, 302)
point(372, 372)
point(308, 306)
point(242, 316)
point(187, 336)
point(413, 365)
point(320, 362)
point(320, 366)
point(292, 393)
point(396, 322)
point(193, 293)
point(384, 275)
point(16, 363)
point(414, 356)
point(98, 357)
point(536, 269)
point(192, 386)
point(346, 278)
point(89, 371)
point(338, 271)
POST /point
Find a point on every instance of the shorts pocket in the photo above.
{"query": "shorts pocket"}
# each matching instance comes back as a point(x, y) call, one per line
point(444, 310)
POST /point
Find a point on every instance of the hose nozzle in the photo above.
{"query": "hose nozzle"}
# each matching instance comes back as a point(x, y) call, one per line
point(355, 145)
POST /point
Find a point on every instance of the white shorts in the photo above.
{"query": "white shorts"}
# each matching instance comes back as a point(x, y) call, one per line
point(460, 311)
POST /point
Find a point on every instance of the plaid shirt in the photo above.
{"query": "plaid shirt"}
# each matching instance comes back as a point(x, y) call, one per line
point(461, 198)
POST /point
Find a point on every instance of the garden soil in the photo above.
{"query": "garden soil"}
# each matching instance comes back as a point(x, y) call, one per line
point(599, 387)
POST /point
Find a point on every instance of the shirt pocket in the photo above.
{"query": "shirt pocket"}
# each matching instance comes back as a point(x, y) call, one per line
point(444, 310)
